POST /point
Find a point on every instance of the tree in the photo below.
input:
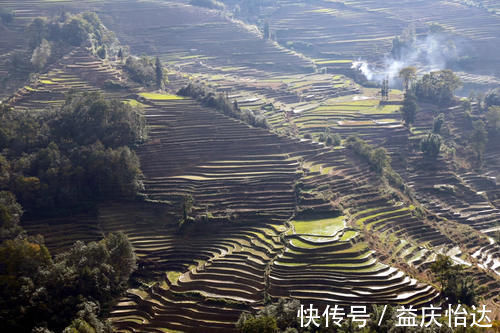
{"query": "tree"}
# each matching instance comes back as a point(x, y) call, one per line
point(20, 263)
point(41, 55)
point(455, 285)
point(492, 97)
point(159, 74)
point(121, 255)
point(267, 33)
point(397, 47)
point(87, 320)
point(69, 289)
point(409, 108)
point(6, 16)
point(141, 70)
point(101, 52)
point(89, 117)
point(408, 75)
point(37, 31)
point(493, 119)
point(380, 159)
point(438, 87)
point(384, 90)
point(431, 145)
point(187, 206)
point(76, 31)
point(438, 123)
point(260, 324)
point(479, 138)
point(10, 215)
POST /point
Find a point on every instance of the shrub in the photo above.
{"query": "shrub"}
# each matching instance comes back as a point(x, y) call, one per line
point(438, 123)
point(479, 138)
point(337, 140)
point(261, 324)
point(492, 97)
point(431, 145)
point(101, 52)
point(378, 158)
point(493, 119)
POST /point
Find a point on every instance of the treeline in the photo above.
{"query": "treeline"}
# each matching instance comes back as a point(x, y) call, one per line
point(55, 162)
point(483, 128)
point(378, 159)
point(222, 104)
point(438, 88)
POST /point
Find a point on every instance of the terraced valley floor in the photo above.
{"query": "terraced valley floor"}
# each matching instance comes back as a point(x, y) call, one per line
point(278, 214)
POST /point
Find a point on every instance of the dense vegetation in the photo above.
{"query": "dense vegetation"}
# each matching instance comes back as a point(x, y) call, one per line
point(55, 162)
point(68, 290)
point(70, 158)
point(456, 286)
point(146, 71)
point(438, 87)
point(50, 39)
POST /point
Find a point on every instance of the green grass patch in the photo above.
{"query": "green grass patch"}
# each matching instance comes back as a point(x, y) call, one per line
point(173, 276)
point(348, 235)
point(160, 97)
point(322, 227)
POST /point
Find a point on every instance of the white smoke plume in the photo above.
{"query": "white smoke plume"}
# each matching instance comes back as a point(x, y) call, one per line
point(427, 54)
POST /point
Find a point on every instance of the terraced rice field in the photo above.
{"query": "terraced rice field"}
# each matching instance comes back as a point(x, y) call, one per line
point(255, 236)
point(241, 256)
point(364, 29)
point(198, 40)
point(77, 71)
point(205, 154)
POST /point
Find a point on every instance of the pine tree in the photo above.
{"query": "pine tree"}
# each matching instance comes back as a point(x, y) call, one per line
point(267, 34)
point(409, 108)
point(159, 74)
point(384, 90)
